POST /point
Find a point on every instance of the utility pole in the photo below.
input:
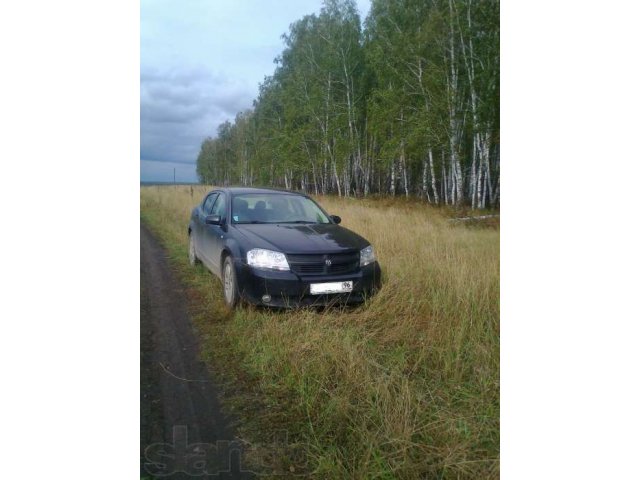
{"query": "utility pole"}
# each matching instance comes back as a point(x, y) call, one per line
point(174, 176)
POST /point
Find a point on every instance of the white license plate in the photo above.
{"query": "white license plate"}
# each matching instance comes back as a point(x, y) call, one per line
point(331, 287)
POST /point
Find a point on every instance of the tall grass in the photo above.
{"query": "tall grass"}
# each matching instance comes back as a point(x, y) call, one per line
point(406, 386)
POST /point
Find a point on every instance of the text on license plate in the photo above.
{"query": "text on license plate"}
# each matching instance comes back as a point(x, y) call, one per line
point(331, 287)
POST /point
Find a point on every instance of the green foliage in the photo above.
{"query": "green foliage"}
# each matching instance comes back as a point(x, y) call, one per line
point(353, 110)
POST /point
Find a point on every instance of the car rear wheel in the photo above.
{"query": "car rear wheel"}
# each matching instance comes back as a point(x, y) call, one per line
point(229, 283)
point(193, 258)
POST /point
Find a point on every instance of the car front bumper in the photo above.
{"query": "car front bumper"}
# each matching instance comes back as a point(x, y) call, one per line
point(288, 289)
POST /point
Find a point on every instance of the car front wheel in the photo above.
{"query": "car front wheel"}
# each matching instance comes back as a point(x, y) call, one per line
point(229, 283)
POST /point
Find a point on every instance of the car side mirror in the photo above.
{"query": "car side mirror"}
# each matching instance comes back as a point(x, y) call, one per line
point(213, 220)
point(335, 218)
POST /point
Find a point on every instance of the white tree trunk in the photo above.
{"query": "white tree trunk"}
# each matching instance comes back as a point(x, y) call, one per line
point(337, 178)
point(445, 181)
point(403, 165)
point(392, 187)
point(424, 178)
point(472, 179)
point(433, 178)
point(452, 84)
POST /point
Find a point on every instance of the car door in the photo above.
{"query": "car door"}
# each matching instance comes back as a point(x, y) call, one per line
point(202, 212)
point(213, 235)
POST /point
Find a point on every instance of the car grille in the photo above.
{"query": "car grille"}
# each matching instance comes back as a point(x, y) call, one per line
point(316, 264)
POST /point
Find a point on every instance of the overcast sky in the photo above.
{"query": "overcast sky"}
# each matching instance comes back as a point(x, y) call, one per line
point(201, 62)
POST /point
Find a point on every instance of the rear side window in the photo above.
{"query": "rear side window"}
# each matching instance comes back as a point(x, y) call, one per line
point(208, 203)
point(219, 208)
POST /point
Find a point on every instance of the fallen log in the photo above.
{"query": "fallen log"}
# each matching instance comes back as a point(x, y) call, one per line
point(480, 217)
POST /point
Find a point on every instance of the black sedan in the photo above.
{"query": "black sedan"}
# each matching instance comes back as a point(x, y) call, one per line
point(281, 249)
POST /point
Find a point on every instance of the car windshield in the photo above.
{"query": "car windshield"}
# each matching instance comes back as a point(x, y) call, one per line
point(275, 208)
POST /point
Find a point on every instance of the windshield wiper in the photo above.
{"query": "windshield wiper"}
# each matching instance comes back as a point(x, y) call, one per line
point(273, 223)
point(300, 221)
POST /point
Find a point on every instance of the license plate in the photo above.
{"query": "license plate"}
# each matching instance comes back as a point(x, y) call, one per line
point(331, 287)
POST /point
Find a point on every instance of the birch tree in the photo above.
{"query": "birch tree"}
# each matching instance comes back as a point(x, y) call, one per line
point(406, 104)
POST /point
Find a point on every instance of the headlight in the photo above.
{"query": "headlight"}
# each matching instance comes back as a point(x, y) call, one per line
point(261, 258)
point(367, 256)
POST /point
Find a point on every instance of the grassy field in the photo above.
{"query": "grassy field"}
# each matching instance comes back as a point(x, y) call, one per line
point(406, 386)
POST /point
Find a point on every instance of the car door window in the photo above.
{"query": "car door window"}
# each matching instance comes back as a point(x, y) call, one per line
point(208, 203)
point(219, 207)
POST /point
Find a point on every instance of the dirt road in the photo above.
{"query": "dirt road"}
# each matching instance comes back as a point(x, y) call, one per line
point(183, 433)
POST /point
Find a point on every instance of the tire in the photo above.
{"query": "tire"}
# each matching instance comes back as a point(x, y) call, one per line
point(229, 283)
point(193, 258)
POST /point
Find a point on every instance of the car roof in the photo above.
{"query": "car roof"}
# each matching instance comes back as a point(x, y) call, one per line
point(243, 190)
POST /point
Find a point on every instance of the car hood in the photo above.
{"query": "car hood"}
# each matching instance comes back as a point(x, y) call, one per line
point(313, 238)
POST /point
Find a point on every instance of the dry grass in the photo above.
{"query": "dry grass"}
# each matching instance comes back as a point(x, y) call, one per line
point(406, 386)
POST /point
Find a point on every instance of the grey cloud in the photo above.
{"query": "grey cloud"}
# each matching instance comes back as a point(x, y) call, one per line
point(183, 47)
point(179, 108)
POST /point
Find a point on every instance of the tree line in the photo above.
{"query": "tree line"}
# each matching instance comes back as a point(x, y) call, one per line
point(405, 104)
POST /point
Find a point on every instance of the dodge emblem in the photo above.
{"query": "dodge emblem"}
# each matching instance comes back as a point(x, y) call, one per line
point(327, 262)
